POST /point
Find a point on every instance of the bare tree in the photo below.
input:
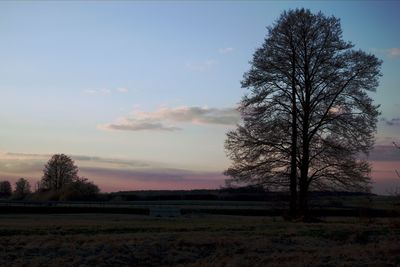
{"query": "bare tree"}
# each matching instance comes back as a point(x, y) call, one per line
point(308, 115)
point(398, 147)
point(59, 171)
point(22, 188)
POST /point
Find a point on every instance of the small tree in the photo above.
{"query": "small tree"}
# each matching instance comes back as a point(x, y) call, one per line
point(59, 171)
point(5, 189)
point(22, 189)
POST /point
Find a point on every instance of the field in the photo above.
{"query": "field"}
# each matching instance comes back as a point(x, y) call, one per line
point(195, 240)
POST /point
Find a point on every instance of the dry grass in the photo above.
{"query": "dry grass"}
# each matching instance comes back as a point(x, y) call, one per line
point(128, 240)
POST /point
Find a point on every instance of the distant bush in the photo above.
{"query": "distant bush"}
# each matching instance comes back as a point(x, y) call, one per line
point(79, 189)
point(5, 189)
point(45, 195)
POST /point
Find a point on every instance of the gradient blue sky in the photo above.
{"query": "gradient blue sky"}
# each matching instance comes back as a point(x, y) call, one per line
point(81, 78)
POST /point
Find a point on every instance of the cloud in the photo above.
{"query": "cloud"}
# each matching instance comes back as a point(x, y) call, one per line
point(105, 91)
point(132, 125)
point(26, 155)
point(202, 66)
point(18, 161)
point(385, 153)
point(158, 119)
point(226, 50)
point(112, 174)
point(199, 115)
point(153, 179)
point(392, 122)
point(145, 175)
point(394, 52)
point(122, 90)
point(90, 91)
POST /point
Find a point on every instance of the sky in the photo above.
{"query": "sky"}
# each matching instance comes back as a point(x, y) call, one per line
point(142, 94)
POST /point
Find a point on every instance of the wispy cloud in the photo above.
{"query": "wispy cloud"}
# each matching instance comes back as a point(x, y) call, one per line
point(128, 124)
point(162, 118)
point(202, 66)
point(105, 91)
point(10, 160)
point(112, 174)
point(392, 121)
point(90, 91)
point(197, 115)
point(226, 50)
point(393, 52)
point(122, 90)
point(153, 179)
point(384, 153)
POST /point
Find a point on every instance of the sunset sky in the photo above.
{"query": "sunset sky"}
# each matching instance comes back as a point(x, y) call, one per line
point(141, 94)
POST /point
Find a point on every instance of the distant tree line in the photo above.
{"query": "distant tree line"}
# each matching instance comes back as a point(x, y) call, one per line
point(60, 181)
point(246, 193)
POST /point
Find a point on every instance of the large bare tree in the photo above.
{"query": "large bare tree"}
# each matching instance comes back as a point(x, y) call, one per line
point(307, 116)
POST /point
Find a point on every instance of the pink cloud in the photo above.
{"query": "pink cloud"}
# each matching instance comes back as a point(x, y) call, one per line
point(384, 176)
point(164, 118)
point(122, 174)
point(169, 179)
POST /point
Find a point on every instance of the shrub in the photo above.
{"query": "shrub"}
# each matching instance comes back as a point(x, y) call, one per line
point(79, 189)
point(5, 189)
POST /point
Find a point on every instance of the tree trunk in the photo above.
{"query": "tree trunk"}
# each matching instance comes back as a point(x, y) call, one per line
point(303, 184)
point(305, 160)
point(293, 163)
point(303, 200)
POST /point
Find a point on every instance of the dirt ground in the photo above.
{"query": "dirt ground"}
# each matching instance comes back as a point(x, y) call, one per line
point(201, 240)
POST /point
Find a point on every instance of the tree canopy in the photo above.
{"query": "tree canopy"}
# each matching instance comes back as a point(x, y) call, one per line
point(59, 171)
point(22, 188)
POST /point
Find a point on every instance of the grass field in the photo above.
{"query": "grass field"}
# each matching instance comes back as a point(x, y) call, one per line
point(196, 240)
